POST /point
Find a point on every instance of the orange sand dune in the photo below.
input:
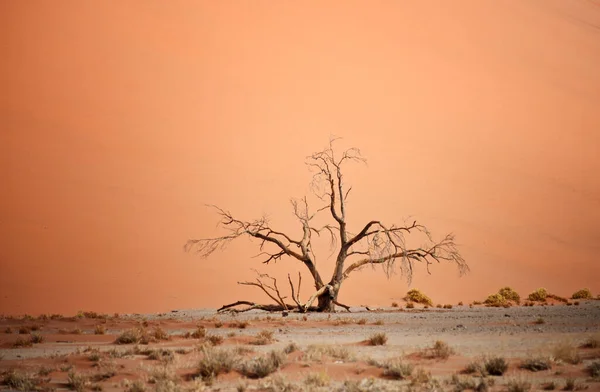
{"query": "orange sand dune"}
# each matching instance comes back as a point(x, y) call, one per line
point(120, 121)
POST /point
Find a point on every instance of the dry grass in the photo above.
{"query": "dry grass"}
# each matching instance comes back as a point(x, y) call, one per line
point(394, 304)
point(536, 364)
point(23, 342)
point(215, 340)
point(99, 329)
point(518, 385)
point(239, 324)
point(215, 362)
point(592, 341)
point(572, 384)
point(131, 336)
point(20, 381)
point(495, 366)
point(415, 295)
point(566, 352)
point(377, 339)
point(316, 353)
point(262, 366)
point(290, 348)
point(593, 369)
point(317, 380)
point(264, 337)
point(439, 350)
point(134, 386)
point(447, 306)
point(539, 321)
point(362, 321)
point(378, 322)
point(77, 382)
point(159, 334)
point(397, 369)
point(36, 338)
point(199, 333)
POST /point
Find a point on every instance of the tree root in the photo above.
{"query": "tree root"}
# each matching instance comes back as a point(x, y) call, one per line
point(267, 307)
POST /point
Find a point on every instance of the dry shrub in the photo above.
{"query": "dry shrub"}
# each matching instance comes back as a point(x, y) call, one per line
point(215, 340)
point(518, 385)
point(316, 353)
point(594, 369)
point(536, 364)
point(23, 342)
point(592, 341)
point(447, 306)
point(264, 337)
point(36, 338)
point(582, 294)
point(24, 330)
point(8, 330)
point(262, 366)
point(377, 339)
point(99, 329)
point(20, 381)
point(558, 298)
point(342, 321)
point(163, 355)
point(439, 350)
point(539, 321)
point(397, 369)
point(77, 382)
point(199, 333)
point(362, 321)
point(394, 304)
point(566, 352)
point(215, 361)
point(495, 366)
point(378, 322)
point(131, 336)
point(134, 386)
point(218, 324)
point(572, 384)
point(320, 379)
point(160, 334)
point(538, 295)
point(240, 325)
point(410, 305)
point(290, 348)
point(415, 295)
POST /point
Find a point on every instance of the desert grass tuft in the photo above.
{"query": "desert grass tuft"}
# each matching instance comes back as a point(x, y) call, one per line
point(20, 381)
point(214, 362)
point(262, 366)
point(536, 364)
point(397, 369)
point(130, 336)
point(23, 342)
point(495, 365)
point(377, 339)
point(593, 369)
point(317, 352)
point(566, 352)
point(439, 350)
point(263, 338)
point(518, 385)
point(290, 348)
point(77, 382)
point(99, 329)
point(572, 384)
point(36, 338)
point(317, 380)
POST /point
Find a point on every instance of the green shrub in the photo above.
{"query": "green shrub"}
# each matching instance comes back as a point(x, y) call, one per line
point(582, 294)
point(538, 295)
point(510, 294)
point(415, 295)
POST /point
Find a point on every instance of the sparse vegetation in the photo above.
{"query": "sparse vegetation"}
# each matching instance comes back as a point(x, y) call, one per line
point(214, 362)
point(290, 348)
point(495, 366)
point(131, 336)
point(415, 295)
point(316, 353)
point(572, 384)
point(566, 352)
point(397, 369)
point(447, 306)
point(20, 381)
point(518, 385)
point(239, 324)
point(215, 340)
point(362, 321)
point(24, 330)
point(592, 341)
point(439, 350)
point(510, 295)
point(410, 305)
point(320, 379)
point(582, 294)
point(538, 295)
point(134, 386)
point(594, 369)
point(394, 304)
point(536, 364)
point(548, 386)
point(199, 332)
point(99, 329)
point(378, 322)
point(159, 334)
point(262, 366)
point(539, 321)
point(23, 342)
point(264, 337)
point(36, 338)
point(496, 300)
point(377, 339)
point(77, 382)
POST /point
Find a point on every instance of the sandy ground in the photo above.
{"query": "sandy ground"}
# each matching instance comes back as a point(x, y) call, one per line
point(331, 349)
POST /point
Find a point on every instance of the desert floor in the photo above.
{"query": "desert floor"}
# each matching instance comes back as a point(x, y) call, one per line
point(329, 351)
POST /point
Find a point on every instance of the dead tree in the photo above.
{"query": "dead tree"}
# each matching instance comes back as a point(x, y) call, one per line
point(375, 244)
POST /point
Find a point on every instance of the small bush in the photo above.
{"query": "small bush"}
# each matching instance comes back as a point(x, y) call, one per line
point(538, 295)
point(549, 386)
point(215, 340)
point(439, 350)
point(264, 337)
point(159, 334)
point(19, 381)
point(77, 382)
point(566, 352)
point(410, 305)
point(24, 330)
point(135, 386)
point(397, 369)
point(261, 367)
point(316, 353)
point(582, 294)
point(162, 355)
point(536, 364)
point(496, 300)
point(518, 386)
point(23, 342)
point(131, 336)
point(317, 380)
point(558, 298)
point(199, 333)
point(394, 304)
point(510, 295)
point(36, 338)
point(377, 339)
point(99, 329)
point(476, 302)
point(594, 369)
point(215, 362)
point(447, 306)
point(290, 348)
point(495, 366)
point(378, 322)
point(592, 342)
point(218, 324)
point(417, 296)
point(539, 321)
point(362, 321)
point(8, 330)
point(572, 384)
point(240, 325)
